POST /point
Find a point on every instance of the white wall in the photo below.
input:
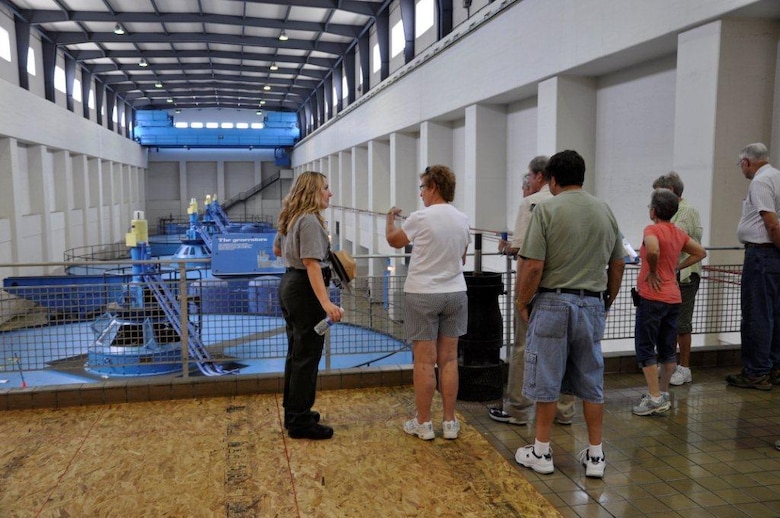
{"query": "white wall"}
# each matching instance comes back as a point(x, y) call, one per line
point(634, 140)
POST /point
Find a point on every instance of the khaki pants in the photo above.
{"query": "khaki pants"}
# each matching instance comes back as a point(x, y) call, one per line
point(515, 404)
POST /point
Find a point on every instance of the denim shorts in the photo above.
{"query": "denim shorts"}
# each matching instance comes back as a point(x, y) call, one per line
point(563, 350)
point(655, 332)
point(429, 315)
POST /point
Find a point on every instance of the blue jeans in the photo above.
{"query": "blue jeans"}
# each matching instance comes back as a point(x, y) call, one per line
point(655, 332)
point(563, 348)
point(760, 328)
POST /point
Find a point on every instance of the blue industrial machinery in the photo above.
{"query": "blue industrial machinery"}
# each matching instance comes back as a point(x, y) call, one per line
point(144, 336)
point(156, 128)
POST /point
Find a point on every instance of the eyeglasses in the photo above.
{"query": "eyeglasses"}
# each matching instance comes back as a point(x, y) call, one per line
point(741, 160)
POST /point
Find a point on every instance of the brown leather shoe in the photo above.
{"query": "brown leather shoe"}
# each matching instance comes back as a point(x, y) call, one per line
point(742, 381)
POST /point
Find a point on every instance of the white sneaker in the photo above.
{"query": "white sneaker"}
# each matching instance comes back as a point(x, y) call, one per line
point(681, 375)
point(451, 429)
point(422, 430)
point(594, 466)
point(526, 456)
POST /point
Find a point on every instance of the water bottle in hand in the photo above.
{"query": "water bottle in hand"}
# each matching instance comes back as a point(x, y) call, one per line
point(322, 327)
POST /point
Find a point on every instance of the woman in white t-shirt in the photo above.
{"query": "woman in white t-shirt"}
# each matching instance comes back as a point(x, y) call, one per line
point(435, 292)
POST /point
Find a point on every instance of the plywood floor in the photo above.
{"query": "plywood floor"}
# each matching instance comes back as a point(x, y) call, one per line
point(230, 457)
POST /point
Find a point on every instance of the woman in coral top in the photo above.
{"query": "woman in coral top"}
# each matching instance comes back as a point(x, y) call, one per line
point(659, 299)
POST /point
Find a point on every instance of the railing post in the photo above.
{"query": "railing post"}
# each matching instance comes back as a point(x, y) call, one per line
point(185, 320)
point(509, 308)
point(478, 253)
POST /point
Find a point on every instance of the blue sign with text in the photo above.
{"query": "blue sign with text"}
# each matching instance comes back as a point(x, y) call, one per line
point(244, 254)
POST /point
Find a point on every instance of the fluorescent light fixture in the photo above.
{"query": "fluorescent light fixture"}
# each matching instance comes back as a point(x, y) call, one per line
point(259, 112)
point(118, 29)
point(283, 36)
point(267, 87)
point(274, 66)
point(143, 63)
point(158, 84)
point(169, 100)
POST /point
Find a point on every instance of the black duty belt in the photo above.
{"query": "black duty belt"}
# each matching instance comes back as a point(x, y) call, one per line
point(759, 245)
point(326, 274)
point(571, 291)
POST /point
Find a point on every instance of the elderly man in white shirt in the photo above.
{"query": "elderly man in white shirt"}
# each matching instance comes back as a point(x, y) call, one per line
point(759, 230)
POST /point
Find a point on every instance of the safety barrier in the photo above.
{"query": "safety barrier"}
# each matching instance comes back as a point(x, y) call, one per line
point(47, 323)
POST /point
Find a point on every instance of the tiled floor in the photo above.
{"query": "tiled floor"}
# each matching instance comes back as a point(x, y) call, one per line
point(713, 454)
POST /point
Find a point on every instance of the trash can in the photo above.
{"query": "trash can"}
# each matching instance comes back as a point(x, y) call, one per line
point(480, 368)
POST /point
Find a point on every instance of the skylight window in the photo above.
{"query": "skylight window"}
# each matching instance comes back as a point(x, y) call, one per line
point(77, 90)
point(59, 79)
point(377, 64)
point(397, 39)
point(423, 17)
point(31, 61)
point(5, 45)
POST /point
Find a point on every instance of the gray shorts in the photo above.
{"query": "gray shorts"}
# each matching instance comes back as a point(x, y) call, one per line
point(429, 315)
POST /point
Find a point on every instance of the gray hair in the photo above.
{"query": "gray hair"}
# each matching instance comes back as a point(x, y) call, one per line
point(538, 164)
point(755, 152)
point(665, 203)
point(671, 181)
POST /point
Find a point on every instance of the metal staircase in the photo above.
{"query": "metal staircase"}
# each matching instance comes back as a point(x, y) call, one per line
point(244, 196)
point(170, 306)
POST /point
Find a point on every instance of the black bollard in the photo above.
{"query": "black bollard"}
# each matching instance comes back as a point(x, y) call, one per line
point(480, 367)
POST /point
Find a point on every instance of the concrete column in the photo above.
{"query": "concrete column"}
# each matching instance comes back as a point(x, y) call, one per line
point(221, 189)
point(184, 197)
point(379, 202)
point(61, 177)
point(482, 185)
point(105, 196)
point(436, 144)
point(567, 120)
point(404, 174)
point(724, 100)
point(363, 221)
point(9, 162)
point(345, 178)
point(94, 233)
point(77, 200)
point(346, 200)
point(379, 199)
point(360, 177)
